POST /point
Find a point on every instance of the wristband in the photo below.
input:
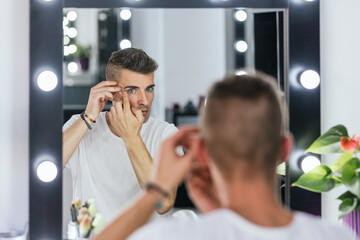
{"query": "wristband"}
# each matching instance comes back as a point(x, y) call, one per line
point(91, 120)
point(83, 118)
point(152, 186)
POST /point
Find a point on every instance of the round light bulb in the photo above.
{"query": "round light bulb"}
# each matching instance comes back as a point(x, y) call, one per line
point(125, 14)
point(66, 40)
point(102, 16)
point(46, 171)
point(310, 79)
point(73, 67)
point(240, 73)
point(66, 51)
point(65, 21)
point(309, 162)
point(72, 32)
point(125, 44)
point(47, 81)
point(241, 46)
point(72, 48)
point(240, 15)
point(71, 15)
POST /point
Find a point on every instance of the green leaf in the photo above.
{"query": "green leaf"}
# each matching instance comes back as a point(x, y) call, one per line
point(342, 160)
point(347, 206)
point(317, 180)
point(346, 195)
point(281, 169)
point(329, 142)
point(350, 176)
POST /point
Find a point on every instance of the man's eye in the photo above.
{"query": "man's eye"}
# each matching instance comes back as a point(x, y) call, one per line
point(149, 89)
point(132, 90)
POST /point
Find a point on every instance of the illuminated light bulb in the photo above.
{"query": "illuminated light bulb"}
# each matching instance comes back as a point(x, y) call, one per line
point(47, 80)
point(240, 73)
point(102, 16)
point(66, 40)
point(309, 162)
point(240, 15)
point(125, 14)
point(66, 30)
point(73, 67)
point(71, 15)
point(72, 49)
point(66, 51)
point(310, 79)
point(125, 44)
point(46, 171)
point(72, 32)
point(65, 21)
point(241, 46)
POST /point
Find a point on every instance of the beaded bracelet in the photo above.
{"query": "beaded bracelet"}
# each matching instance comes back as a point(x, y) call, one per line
point(152, 186)
point(83, 118)
point(91, 120)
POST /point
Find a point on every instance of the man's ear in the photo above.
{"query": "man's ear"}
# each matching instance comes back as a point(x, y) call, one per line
point(287, 143)
point(202, 153)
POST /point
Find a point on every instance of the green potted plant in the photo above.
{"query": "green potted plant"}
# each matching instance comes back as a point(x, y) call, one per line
point(344, 171)
point(83, 53)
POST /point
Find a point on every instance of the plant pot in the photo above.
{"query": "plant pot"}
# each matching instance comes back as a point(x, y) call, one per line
point(84, 63)
point(353, 221)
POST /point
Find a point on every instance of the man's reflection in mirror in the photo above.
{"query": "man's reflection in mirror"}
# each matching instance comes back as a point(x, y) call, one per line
point(110, 154)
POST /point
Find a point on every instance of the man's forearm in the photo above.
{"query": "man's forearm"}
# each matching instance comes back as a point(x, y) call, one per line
point(72, 137)
point(140, 159)
point(142, 164)
point(131, 219)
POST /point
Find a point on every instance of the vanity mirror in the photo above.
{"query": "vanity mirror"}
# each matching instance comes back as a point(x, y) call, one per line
point(46, 107)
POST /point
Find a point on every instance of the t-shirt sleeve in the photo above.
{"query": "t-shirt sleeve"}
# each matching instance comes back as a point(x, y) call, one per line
point(70, 164)
point(169, 131)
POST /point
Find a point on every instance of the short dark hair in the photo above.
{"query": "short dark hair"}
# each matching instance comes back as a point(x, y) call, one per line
point(242, 121)
point(132, 59)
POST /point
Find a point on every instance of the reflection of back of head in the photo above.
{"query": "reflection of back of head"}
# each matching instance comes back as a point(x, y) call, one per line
point(242, 122)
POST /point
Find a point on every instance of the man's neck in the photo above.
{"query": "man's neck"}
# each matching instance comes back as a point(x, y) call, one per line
point(257, 203)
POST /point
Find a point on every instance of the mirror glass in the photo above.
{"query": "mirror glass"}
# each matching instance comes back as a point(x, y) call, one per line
point(193, 47)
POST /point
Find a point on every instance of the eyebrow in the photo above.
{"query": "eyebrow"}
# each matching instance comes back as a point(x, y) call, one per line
point(152, 85)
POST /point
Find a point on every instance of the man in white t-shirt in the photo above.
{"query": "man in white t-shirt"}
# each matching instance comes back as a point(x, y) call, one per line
point(230, 171)
point(110, 154)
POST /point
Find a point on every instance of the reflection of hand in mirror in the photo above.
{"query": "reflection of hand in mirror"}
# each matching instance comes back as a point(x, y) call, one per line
point(172, 167)
point(99, 95)
point(125, 120)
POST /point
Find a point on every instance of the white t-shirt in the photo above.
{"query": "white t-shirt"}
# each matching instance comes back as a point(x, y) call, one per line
point(225, 224)
point(101, 168)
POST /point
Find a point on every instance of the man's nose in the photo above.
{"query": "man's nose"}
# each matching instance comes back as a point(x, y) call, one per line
point(143, 99)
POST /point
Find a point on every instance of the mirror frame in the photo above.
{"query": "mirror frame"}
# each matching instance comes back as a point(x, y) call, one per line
point(45, 123)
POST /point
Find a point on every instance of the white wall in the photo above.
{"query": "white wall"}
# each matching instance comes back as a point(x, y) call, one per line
point(188, 44)
point(340, 51)
point(14, 120)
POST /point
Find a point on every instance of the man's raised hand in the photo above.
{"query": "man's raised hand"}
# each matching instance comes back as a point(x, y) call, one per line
point(99, 95)
point(125, 120)
point(171, 167)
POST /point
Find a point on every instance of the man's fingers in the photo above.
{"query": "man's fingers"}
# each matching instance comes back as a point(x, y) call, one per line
point(105, 84)
point(118, 102)
point(182, 135)
point(126, 101)
point(138, 114)
point(108, 89)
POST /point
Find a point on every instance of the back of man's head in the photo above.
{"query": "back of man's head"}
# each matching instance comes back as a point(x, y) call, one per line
point(132, 59)
point(242, 121)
